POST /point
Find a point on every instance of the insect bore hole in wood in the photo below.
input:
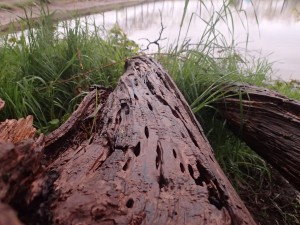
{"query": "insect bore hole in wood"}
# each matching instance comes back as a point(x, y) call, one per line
point(137, 149)
point(191, 171)
point(174, 154)
point(162, 181)
point(150, 106)
point(181, 167)
point(158, 157)
point(125, 167)
point(130, 203)
point(146, 132)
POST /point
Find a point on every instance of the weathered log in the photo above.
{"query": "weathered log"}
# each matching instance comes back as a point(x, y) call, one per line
point(139, 157)
point(269, 123)
point(19, 164)
point(133, 156)
point(20, 156)
point(20, 161)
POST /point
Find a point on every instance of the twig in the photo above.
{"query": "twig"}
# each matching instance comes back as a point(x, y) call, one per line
point(155, 42)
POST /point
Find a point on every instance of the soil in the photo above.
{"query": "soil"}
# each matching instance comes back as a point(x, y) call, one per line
point(12, 10)
point(272, 201)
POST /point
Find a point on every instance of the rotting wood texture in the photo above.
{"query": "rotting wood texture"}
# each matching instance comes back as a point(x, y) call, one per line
point(20, 162)
point(269, 123)
point(17, 130)
point(146, 161)
point(133, 156)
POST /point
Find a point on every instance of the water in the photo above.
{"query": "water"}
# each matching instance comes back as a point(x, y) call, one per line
point(272, 30)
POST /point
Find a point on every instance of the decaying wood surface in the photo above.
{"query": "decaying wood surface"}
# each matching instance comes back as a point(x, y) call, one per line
point(17, 130)
point(139, 157)
point(269, 123)
point(133, 156)
point(20, 161)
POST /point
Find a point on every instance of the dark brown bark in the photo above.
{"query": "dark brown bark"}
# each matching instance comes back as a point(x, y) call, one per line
point(20, 162)
point(269, 123)
point(20, 156)
point(133, 156)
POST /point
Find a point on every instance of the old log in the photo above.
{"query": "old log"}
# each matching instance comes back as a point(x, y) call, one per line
point(20, 155)
point(140, 158)
point(133, 156)
point(269, 123)
point(20, 161)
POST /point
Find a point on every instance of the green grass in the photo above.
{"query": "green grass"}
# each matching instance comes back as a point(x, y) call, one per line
point(45, 75)
point(290, 89)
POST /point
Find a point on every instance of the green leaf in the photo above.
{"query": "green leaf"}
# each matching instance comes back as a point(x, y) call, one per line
point(54, 122)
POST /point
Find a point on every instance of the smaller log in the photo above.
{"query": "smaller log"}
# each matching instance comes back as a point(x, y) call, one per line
point(19, 163)
point(269, 123)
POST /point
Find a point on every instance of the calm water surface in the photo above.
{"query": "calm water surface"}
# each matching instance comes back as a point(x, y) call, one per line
point(275, 36)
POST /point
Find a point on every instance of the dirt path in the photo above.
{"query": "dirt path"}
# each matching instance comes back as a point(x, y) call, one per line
point(12, 10)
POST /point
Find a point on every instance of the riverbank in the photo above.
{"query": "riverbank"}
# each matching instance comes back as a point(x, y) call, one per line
point(12, 11)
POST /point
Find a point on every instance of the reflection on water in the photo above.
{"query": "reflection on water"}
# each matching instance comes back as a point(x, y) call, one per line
point(276, 35)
